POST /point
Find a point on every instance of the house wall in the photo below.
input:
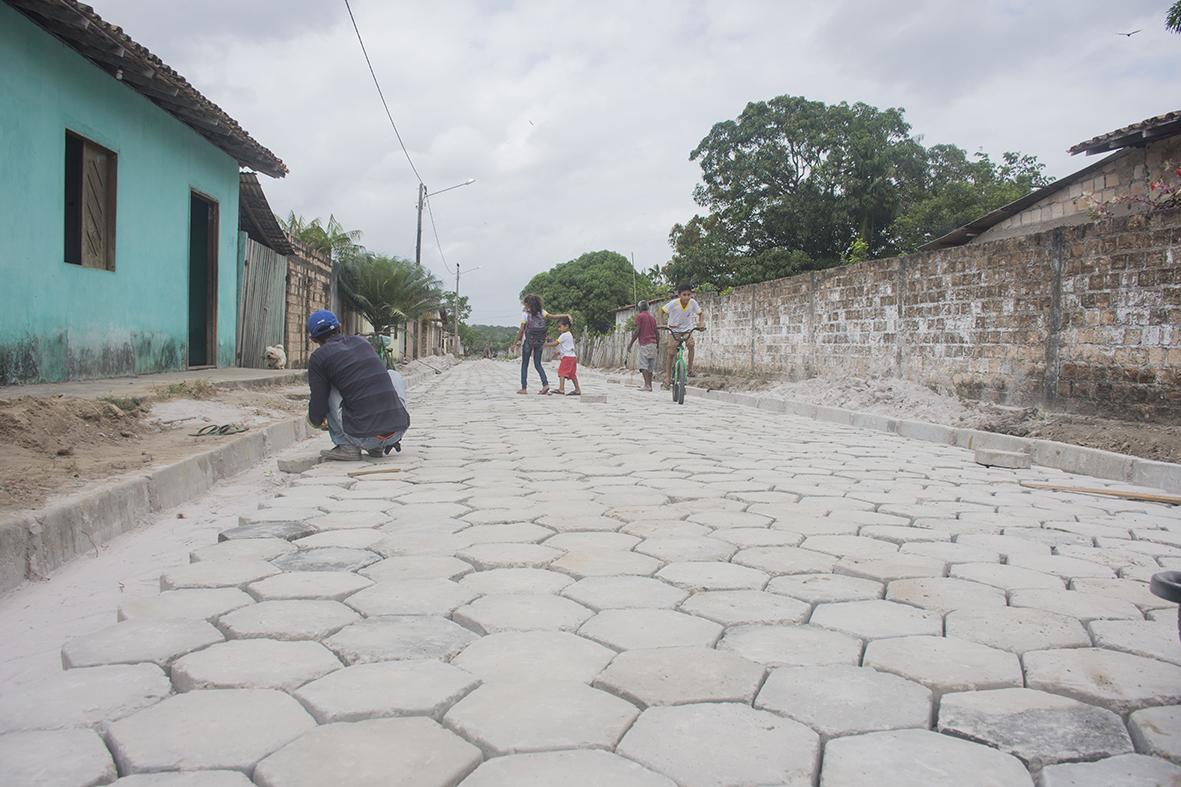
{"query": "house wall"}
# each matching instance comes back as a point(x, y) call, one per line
point(1124, 173)
point(60, 321)
point(309, 287)
point(1084, 318)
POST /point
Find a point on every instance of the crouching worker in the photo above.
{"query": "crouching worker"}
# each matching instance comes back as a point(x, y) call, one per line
point(359, 401)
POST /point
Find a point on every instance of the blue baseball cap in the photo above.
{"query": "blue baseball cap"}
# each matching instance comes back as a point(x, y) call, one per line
point(320, 322)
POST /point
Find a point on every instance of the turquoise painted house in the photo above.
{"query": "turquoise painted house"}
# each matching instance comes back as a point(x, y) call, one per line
point(119, 201)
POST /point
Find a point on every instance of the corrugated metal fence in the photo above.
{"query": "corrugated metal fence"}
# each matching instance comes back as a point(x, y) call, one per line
point(260, 309)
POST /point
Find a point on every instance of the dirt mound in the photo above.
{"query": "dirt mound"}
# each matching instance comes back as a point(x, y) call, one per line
point(62, 425)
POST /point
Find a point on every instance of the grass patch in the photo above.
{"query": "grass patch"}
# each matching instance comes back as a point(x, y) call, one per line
point(190, 389)
point(132, 405)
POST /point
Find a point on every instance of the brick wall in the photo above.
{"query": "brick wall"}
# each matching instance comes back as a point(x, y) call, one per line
point(1085, 318)
point(309, 287)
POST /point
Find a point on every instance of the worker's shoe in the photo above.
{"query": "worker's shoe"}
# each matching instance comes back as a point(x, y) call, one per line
point(377, 453)
point(342, 453)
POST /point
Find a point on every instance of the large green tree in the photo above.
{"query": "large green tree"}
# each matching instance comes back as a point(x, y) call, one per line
point(590, 288)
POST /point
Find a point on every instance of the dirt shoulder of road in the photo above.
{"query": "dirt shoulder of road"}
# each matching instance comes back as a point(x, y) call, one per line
point(55, 445)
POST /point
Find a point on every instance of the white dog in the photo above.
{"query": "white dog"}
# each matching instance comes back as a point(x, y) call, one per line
point(276, 357)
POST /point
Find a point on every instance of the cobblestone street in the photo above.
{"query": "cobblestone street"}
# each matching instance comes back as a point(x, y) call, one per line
point(635, 594)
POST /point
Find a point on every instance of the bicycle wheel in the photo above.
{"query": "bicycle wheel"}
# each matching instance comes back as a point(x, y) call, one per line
point(679, 392)
point(676, 376)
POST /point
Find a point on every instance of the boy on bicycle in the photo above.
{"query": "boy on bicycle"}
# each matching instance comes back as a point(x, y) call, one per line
point(681, 315)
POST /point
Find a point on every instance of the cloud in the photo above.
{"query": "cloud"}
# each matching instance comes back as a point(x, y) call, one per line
point(578, 118)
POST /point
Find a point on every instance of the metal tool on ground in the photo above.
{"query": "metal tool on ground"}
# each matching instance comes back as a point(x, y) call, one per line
point(1125, 494)
point(359, 473)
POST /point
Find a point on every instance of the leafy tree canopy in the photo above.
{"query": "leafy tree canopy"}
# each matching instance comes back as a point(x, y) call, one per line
point(478, 337)
point(590, 288)
point(1173, 18)
point(388, 291)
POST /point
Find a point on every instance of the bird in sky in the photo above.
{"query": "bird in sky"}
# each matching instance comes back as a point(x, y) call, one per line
point(1129, 35)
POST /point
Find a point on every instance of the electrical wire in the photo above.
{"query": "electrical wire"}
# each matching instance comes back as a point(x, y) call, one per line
point(381, 95)
point(431, 214)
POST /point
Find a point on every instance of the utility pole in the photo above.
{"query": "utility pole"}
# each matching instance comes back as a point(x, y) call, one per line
point(634, 294)
point(418, 239)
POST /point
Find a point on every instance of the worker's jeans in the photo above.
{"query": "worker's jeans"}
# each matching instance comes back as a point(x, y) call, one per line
point(532, 350)
point(336, 420)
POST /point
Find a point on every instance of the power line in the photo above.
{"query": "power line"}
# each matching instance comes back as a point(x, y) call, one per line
point(431, 214)
point(380, 94)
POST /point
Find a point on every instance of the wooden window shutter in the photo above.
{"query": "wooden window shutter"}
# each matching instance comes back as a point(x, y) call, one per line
point(98, 207)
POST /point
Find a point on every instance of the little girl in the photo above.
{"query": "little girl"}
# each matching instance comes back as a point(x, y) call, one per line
point(568, 366)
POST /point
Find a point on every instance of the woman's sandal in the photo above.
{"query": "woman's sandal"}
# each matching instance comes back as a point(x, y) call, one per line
point(575, 393)
point(523, 391)
point(544, 391)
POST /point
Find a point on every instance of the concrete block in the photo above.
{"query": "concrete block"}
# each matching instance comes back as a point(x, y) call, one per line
point(1015, 460)
point(283, 434)
point(880, 423)
point(975, 438)
point(930, 433)
point(834, 415)
point(769, 403)
point(80, 522)
point(181, 481)
point(1162, 475)
point(300, 463)
point(594, 398)
point(804, 409)
point(14, 550)
point(242, 453)
point(1086, 461)
point(746, 400)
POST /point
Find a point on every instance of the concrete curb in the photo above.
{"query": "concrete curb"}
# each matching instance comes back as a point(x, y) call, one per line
point(1048, 453)
point(35, 543)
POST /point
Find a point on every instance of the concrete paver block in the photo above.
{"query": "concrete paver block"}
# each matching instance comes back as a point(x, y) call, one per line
point(1126, 770)
point(288, 619)
point(85, 697)
point(906, 758)
point(730, 519)
point(411, 597)
point(602, 539)
point(1016, 629)
point(347, 520)
point(784, 560)
point(1075, 604)
point(850, 546)
point(1157, 731)
point(1038, 728)
point(298, 464)
point(633, 629)
point(877, 618)
point(735, 607)
point(217, 574)
point(229, 729)
point(892, 568)
point(353, 539)
point(158, 641)
point(712, 575)
point(1154, 639)
point(281, 516)
point(521, 612)
point(327, 585)
point(515, 533)
point(523, 656)
point(243, 549)
point(515, 580)
point(1006, 577)
point(604, 563)
point(192, 603)
point(625, 592)
point(821, 588)
point(374, 753)
point(842, 699)
point(396, 639)
point(253, 664)
point(583, 768)
point(1062, 566)
point(326, 559)
point(508, 718)
point(649, 528)
point(489, 556)
point(747, 537)
point(944, 594)
point(792, 646)
point(1013, 460)
point(944, 664)
point(680, 676)
point(55, 757)
point(396, 688)
point(714, 744)
point(287, 530)
point(187, 779)
point(1134, 591)
point(671, 549)
point(1119, 682)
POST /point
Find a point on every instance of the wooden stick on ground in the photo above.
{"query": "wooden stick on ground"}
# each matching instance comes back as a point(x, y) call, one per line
point(357, 473)
point(1092, 490)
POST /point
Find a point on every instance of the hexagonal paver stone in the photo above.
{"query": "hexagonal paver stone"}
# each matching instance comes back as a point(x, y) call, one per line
point(134, 641)
point(195, 603)
point(625, 592)
point(288, 531)
point(944, 664)
point(85, 697)
point(187, 779)
point(746, 537)
point(354, 539)
point(714, 744)
point(820, 588)
point(785, 560)
point(841, 699)
point(730, 519)
point(713, 576)
point(218, 728)
point(347, 520)
point(45, 757)
point(792, 646)
point(1118, 681)
point(951, 553)
point(326, 559)
point(679, 676)
point(282, 515)
point(489, 556)
point(1156, 639)
point(734, 607)
point(674, 528)
point(253, 664)
point(592, 540)
point(675, 549)
point(521, 612)
point(906, 758)
point(850, 546)
point(534, 655)
point(889, 569)
point(329, 585)
point(583, 768)
point(877, 618)
point(411, 597)
point(604, 563)
point(374, 753)
point(1037, 727)
point(417, 567)
point(217, 574)
point(633, 629)
point(288, 619)
point(1006, 577)
point(243, 549)
point(1062, 566)
point(392, 688)
point(515, 580)
point(1016, 629)
point(1126, 770)
point(1157, 731)
point(505, 718)
point(396, 639)
point(944, 594)
point(1076, 604)
point(519, 533)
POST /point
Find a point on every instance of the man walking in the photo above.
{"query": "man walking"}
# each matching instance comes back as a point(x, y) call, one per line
point(682, 314)
point(645, 334)
point(361, 403)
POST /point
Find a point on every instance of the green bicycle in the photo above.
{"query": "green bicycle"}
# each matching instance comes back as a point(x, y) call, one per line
point(680, 376)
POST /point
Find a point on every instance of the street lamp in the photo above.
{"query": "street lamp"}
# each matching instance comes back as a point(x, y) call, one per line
point(422, 198)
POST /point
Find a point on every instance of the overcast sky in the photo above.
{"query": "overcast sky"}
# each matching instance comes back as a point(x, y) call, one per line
point(577, 118)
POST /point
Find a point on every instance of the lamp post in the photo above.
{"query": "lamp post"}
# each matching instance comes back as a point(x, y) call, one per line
point(422, 198)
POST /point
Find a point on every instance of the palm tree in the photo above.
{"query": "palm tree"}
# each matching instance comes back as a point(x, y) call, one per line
point(388, 291)
point(331, 240)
